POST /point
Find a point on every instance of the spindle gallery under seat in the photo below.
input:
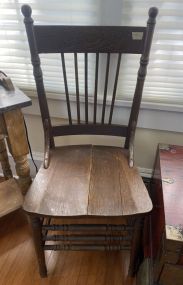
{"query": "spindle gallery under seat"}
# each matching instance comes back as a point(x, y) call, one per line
point(88, 183)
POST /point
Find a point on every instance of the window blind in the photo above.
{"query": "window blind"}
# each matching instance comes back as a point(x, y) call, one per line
point(165, 72)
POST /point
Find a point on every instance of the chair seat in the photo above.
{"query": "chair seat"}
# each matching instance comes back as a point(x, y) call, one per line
point(87, 181)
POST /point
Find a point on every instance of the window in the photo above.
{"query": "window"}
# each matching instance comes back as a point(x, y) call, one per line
point(165, 72)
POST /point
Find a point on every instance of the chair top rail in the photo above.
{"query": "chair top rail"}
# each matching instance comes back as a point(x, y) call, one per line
point(90, 39)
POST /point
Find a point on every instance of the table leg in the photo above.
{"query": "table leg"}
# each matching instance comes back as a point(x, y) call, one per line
point(18, 146)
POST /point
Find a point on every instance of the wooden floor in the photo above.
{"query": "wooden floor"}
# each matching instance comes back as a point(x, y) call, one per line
point(18, 264)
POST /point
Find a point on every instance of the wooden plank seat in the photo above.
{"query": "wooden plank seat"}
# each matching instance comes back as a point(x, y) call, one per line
point(88, 180)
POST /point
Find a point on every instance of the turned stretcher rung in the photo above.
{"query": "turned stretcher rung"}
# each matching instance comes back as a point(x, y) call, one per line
point(80, 227)
point(77, 247)
point(86, 238)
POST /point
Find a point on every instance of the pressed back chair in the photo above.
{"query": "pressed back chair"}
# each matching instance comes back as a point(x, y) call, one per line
point(88, 182)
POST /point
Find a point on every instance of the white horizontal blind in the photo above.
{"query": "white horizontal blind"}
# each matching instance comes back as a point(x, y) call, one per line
point(164, 81)
point(14, 49)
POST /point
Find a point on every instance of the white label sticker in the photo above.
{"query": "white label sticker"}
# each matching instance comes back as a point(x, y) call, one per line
point(137, 35)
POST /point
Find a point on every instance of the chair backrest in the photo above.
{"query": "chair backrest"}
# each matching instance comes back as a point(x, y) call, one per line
point(90, 39)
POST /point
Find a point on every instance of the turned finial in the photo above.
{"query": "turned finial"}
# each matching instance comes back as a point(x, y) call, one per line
point(26, 11)
point(153, 12)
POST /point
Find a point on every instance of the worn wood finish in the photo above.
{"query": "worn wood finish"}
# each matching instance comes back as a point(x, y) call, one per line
point(172, 274)
point(90, 129)
point(81, 39)
point(92, 180)
point(104, 196)
point(69, 192)
point(14, 122)
point(89, 181)
point(18, 146)
point(10, 197)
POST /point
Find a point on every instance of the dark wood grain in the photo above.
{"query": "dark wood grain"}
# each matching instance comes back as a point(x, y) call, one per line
point(86, 87)
point(105, 88)
point(172, 274)
point(166, 217)
point(68, 195)
point(104, 197)
point(77, 87)
point(92, 129)
point(115, 88)
point(92, 180)
point(91, 39)
point(66, 88)
point(84, 181)
point(96, 88)
point(135, 198)
point(103, 39)
point(37, 71)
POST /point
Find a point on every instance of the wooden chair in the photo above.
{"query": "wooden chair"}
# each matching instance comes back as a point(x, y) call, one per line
point(85, 182)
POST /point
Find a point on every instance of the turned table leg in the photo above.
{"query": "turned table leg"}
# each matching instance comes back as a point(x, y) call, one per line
point(18, 146)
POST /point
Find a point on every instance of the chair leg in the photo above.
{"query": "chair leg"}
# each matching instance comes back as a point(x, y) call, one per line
point(136, 254)
point(38, 243)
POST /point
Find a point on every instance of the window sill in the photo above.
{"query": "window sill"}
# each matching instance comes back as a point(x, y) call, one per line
point(157, 116)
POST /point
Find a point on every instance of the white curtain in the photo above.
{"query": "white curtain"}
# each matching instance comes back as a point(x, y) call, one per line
point(165, 72)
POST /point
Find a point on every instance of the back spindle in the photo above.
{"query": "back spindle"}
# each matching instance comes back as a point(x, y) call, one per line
point(86, 88)
point(77, 87)
point(105, 87)
point(66, 88)
point(96, 88)
point(115, 88)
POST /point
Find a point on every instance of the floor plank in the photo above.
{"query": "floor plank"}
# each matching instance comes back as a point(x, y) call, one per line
point(18, 265)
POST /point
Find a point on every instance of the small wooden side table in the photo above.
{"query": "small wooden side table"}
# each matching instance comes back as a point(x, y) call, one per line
point(167, 216)
point(12, 130)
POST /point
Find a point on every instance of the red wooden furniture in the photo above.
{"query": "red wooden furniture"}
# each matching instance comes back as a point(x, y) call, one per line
point(167, 216)
point(88, 183)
